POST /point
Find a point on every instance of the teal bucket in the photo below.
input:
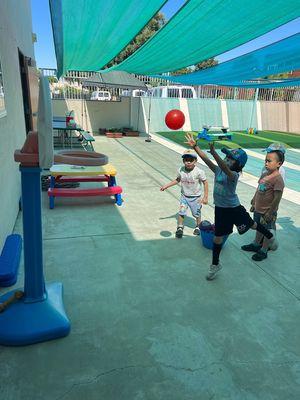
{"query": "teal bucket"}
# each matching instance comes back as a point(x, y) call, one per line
point(207, 237)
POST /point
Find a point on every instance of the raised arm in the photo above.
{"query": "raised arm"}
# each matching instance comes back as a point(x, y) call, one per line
point(221, 163)
point(192, 142)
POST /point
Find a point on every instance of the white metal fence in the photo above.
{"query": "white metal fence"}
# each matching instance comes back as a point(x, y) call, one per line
point(70, 87)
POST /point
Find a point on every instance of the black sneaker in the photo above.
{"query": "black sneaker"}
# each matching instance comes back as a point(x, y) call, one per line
point(179, 232)
point(259, 256)
point(251, 247)
point(196, 231)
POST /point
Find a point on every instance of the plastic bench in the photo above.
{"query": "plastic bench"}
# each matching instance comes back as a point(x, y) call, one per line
point(105, 191)
point(70, 179)
point(10, 260)
point(86, 139)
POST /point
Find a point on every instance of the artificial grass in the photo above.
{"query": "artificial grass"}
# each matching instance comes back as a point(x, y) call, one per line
point(179, 137)
point(291, 139)
point(240, 139)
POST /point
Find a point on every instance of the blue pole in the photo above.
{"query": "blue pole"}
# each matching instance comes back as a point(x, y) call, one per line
point(39, 315)
point(34, 285)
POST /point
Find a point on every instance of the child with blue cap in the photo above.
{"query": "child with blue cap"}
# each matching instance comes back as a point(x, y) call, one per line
point(228, 210)
point(267, 198)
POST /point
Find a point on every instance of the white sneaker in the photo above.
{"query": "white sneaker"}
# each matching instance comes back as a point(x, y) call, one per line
point(273, 245)
point(212, 271)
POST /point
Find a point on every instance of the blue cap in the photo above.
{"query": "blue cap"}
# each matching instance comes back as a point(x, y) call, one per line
point(275, 147)
point(237, 154)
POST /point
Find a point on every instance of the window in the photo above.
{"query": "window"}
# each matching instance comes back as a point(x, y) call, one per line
point(2, 102)
point(173, 93)
point(187, 93)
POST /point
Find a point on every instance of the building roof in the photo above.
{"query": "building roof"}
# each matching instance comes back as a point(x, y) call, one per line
point(115, 79)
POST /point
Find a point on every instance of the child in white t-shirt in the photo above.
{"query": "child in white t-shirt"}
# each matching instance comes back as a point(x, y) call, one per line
point(191, 179)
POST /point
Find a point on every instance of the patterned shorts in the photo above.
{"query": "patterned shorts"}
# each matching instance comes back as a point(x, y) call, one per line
point(259, 217)
point(193, 203)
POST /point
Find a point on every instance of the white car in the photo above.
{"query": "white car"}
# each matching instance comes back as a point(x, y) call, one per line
point(134, 93)
point(182, 92)
point(101, 95)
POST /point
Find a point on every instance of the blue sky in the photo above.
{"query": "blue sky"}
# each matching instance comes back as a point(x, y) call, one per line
point(44, 48)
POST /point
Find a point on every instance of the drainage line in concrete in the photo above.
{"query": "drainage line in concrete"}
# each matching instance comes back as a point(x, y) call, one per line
point(89, 236)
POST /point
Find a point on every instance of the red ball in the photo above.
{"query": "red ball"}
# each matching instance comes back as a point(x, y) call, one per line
point(175, 119)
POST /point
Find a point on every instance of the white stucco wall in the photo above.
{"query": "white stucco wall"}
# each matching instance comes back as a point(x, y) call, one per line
point(281, 116)
point(15, 32)
point(92, 115)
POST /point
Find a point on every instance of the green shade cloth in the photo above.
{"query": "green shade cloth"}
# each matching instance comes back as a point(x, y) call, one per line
point(205, 28)
point(264, 84)
point(119, 79)
point(90, 33)
point(282, 56)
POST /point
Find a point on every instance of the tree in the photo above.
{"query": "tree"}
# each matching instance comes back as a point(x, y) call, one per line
point(206, 64)
point(202, 65)
point(283, 75)
point(182, 71)
point(153, 26)
point(52, 79)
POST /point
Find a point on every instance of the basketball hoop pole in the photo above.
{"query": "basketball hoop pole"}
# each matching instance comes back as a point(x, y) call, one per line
point(39, 315)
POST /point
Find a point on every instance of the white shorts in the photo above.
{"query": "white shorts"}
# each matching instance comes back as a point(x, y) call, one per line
point(193, 203)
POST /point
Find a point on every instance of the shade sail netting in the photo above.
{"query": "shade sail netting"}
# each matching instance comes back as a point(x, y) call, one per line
point(264, 84)
point(282, 56)
point(119, 79)
point(88, 34)
point(202, 29)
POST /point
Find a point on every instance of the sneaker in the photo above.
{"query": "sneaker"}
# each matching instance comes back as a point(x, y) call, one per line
point(196, 231)
point(212, 271)
point(259, 256)
point(251, 247)
point(273, 244)
point(179, 232)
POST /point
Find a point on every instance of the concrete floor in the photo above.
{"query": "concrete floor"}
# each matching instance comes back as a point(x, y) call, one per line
point(146, 325)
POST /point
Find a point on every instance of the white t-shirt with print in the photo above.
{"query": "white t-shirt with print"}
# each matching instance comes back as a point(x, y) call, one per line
point(191, 181)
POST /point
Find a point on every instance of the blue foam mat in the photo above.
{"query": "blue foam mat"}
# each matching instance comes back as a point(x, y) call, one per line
point(10, 260)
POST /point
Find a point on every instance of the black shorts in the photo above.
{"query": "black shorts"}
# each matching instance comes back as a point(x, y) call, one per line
point(225, 218)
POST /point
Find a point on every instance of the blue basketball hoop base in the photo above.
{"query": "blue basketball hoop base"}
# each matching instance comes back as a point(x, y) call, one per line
point(24, 323)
